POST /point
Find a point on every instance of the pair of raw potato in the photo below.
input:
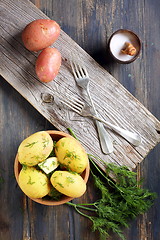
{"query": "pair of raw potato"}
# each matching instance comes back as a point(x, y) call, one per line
point(39, 35)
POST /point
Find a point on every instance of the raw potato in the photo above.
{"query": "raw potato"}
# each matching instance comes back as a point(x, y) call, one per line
point(71, 154)
point(36, 148)
point(33, 182)
point(48, 64)
point(69, 184)
point(40, 34)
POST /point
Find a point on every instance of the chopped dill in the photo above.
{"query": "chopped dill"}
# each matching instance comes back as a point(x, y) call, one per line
point(45, 142)
point(62, 144)
point(30, 181)
point(71, 155)
point(54, 143)
point(30, 145)
point(52, 154)
point(24, 167)
point(70, 179)
point(54, 194)
point(60, 184)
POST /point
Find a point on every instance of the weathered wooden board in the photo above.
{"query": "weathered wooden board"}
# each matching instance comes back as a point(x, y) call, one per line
point(113, 101)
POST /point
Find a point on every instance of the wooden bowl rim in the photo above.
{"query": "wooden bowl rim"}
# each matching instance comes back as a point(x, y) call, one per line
point(64, 199)
point(138, 40)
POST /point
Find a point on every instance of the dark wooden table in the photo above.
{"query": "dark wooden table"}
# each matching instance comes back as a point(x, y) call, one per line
point(89, 23)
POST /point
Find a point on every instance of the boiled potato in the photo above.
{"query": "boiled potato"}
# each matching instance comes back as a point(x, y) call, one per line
point(33, 182)
point(48, 64)
point(68, 183)
point(40, 34)
point(71, 154)
point(34, 149)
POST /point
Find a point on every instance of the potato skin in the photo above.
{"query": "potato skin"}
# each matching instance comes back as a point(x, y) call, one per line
point(48, 64)
point(33, 182)
point(71, 154)
point(34, 149)
point(40, 34)
point(68, 183)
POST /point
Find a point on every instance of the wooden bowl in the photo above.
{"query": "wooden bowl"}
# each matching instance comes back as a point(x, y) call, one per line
point(116, 44)
point(56, 135)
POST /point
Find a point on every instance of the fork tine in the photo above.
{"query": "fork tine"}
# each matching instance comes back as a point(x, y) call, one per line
point(73, 103)
point(78, 101)
point(81, 69)
point(74, 69)
point(78, 70)
point(74, 108)
point(85, 72)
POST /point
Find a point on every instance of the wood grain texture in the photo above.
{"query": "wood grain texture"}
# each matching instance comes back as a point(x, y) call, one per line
point(113, 102)
point(89, 23)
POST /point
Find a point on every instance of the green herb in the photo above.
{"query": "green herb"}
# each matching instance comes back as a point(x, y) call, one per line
point(43, 184)
point(62, 165)
point(54, 194)
point(45, 142)
point(71, 155)
point(30, 144)
point(37, 157)
point(24, 167)
point(121, 199)
point(54, 144)
point(72, 133)
point(52, 154)
point(56, 148)
point(69, 180)
point(60, 184)
point(29, 181)
point(72, 172)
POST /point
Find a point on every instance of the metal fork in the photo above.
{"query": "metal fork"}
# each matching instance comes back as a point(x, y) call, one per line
point(82, 80)
point(83, 109)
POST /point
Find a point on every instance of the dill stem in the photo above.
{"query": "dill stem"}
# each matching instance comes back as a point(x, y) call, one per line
point(86, 204)
point(82, 206)
point(76, 208)
point(83, 214)
point(98, 169)
point(72, 133)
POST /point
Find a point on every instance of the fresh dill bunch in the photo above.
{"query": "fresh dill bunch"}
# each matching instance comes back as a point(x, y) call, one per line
point(121, 198)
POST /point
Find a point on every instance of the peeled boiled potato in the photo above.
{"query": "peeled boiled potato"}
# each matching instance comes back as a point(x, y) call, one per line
point(35, 149)
point(40, 33)
point(33, 182)
point(69, 184)
point(71, 154)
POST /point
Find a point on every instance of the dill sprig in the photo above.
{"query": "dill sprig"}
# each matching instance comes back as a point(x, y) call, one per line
point(121, 199)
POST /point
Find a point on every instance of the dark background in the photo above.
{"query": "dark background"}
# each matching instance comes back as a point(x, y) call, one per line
point(90, 23)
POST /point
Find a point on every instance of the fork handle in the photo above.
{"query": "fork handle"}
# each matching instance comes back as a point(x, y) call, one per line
point(104, 138)
point(131, 137)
